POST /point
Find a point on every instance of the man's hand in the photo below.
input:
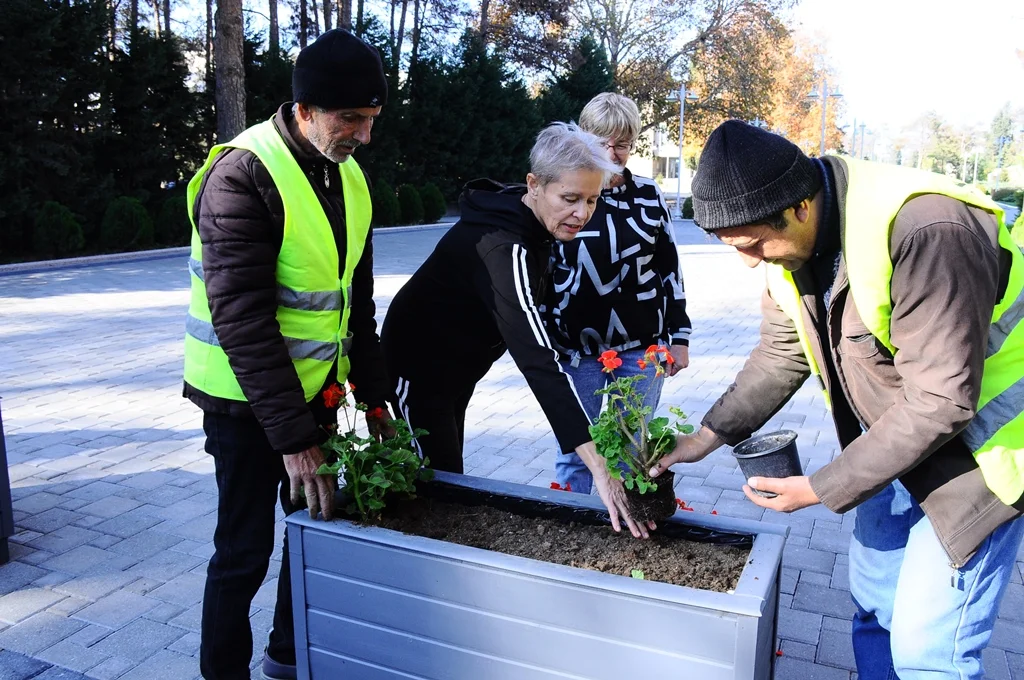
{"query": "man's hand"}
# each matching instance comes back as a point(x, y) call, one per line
point(794, 493)
point(377, 424)
point(611, 492)
point(689, 449)
point(681, 355)
point(301, 468)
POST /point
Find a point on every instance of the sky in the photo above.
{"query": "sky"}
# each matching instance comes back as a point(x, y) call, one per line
point(898, 59)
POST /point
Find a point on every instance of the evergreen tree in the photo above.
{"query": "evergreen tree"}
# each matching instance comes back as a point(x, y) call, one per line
point(156, 124)
point(52, 54)
point(569, 93)
point(268, 79)
point(493, 121)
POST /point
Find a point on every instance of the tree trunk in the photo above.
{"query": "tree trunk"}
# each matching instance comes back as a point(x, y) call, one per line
point(485, 23)
point(156, 18)
point(345, 14)
point(209, 42)
point(133, 17)
point(417, 19)
point(167, 18)
point(359, 18)
point(230, 96)
point(396, 40)
point(303, 24)
point(328, 13)
point(275, 29)
point(316, 17)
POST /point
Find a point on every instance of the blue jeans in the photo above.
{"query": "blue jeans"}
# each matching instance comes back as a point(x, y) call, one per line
point(917, 617)
point(589, 377)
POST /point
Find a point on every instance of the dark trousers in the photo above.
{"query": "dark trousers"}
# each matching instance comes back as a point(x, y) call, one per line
point(442, 416)
point(249, 475)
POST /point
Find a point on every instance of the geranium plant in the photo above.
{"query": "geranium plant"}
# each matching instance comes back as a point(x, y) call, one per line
point(629, 443)
point(371, 469)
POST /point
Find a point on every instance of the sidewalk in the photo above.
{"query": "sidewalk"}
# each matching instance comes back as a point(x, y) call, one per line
point(115, 500)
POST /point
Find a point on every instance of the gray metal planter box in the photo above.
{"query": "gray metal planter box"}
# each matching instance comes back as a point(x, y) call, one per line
point(375, 604)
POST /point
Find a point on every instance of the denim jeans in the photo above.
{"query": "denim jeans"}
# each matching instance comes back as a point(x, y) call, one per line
point(249, 475)
point(917, 617)
point(588, 377)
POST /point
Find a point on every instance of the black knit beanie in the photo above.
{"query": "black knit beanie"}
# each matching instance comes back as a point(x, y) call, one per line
point(339, 71)
point(747, 174)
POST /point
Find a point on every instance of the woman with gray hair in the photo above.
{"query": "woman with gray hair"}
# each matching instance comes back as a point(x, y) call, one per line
point(618, 286)
point(477, 295)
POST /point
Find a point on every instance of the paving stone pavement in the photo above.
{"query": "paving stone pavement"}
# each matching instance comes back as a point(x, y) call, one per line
point(115, 500)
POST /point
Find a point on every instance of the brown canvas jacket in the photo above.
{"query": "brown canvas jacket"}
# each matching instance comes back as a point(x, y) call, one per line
point(896, 418)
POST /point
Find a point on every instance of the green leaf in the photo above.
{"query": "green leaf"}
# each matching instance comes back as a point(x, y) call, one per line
point(637, 574)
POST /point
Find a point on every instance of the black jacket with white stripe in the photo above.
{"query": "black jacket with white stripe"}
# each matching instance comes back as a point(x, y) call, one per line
point(476, 296)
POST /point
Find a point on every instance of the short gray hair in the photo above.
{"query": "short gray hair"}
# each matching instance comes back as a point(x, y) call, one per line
point(611, 116)
point(566, 147)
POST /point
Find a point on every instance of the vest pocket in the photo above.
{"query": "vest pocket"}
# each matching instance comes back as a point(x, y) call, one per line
point(858, 346)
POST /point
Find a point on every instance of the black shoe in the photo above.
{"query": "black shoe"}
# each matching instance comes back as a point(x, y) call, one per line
point(273, 670)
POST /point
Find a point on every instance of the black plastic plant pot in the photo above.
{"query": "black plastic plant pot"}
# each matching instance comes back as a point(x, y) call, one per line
point(769, 455)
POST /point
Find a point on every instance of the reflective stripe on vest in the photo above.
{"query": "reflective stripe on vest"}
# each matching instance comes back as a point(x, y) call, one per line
point(313, 303)
point(875, 195)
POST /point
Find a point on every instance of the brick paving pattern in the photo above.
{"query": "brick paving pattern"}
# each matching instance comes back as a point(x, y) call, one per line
point(115, 500)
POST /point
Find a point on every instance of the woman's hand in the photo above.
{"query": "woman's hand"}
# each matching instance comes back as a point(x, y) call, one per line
point(611, 492)
point(681, 359)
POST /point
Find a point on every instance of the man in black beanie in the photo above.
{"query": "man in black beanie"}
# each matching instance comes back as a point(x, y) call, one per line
point(281, 246)
point(900, 291)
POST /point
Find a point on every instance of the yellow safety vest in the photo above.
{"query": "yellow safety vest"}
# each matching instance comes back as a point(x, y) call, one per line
point(313, 302)
point(875, 195)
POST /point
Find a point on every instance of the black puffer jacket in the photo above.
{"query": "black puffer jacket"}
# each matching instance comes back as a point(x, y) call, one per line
point(240, 218)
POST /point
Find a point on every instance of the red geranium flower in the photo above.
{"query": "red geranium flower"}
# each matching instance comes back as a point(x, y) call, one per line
point(333, 395)
point(610, 360)
point(641, 363)
point(669, 359)
point(376, 413)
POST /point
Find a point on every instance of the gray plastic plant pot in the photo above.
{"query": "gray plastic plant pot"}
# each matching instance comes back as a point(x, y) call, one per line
point(375, 604)
point(773, 454)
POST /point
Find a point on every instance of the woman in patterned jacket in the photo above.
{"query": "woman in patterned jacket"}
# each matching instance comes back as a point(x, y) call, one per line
point(617, 285)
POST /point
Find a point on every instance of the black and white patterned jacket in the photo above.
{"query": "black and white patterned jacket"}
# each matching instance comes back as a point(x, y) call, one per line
point(617, 285)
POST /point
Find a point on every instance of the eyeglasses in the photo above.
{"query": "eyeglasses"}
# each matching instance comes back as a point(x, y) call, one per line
point(620, 147)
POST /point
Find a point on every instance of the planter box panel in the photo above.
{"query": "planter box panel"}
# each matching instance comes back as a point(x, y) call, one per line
point(521, 640)
point(417, 656)
point(375, 604)
point(505, 593)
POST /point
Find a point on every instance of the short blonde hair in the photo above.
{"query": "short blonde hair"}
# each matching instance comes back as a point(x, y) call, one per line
point(611, 116)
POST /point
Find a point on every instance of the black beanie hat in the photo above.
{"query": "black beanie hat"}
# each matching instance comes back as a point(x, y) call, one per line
point(747, 174)
point(339, 71)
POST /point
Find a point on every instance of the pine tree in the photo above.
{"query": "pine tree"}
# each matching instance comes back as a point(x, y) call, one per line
point(569, 93)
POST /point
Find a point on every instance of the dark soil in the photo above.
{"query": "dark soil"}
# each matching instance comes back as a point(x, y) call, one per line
point(671, 560)
point(654, 505)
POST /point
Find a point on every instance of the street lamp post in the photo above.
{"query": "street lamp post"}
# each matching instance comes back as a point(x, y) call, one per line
point(682, 95)
point(824, 95)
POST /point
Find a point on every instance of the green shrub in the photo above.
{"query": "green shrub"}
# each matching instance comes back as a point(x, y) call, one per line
point(410, 205)
point(688, 208)
point(57, 231)
point(1011, 195)
point(385, 205)
point(125, 223)
point(434, 205)
point(172, 224)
